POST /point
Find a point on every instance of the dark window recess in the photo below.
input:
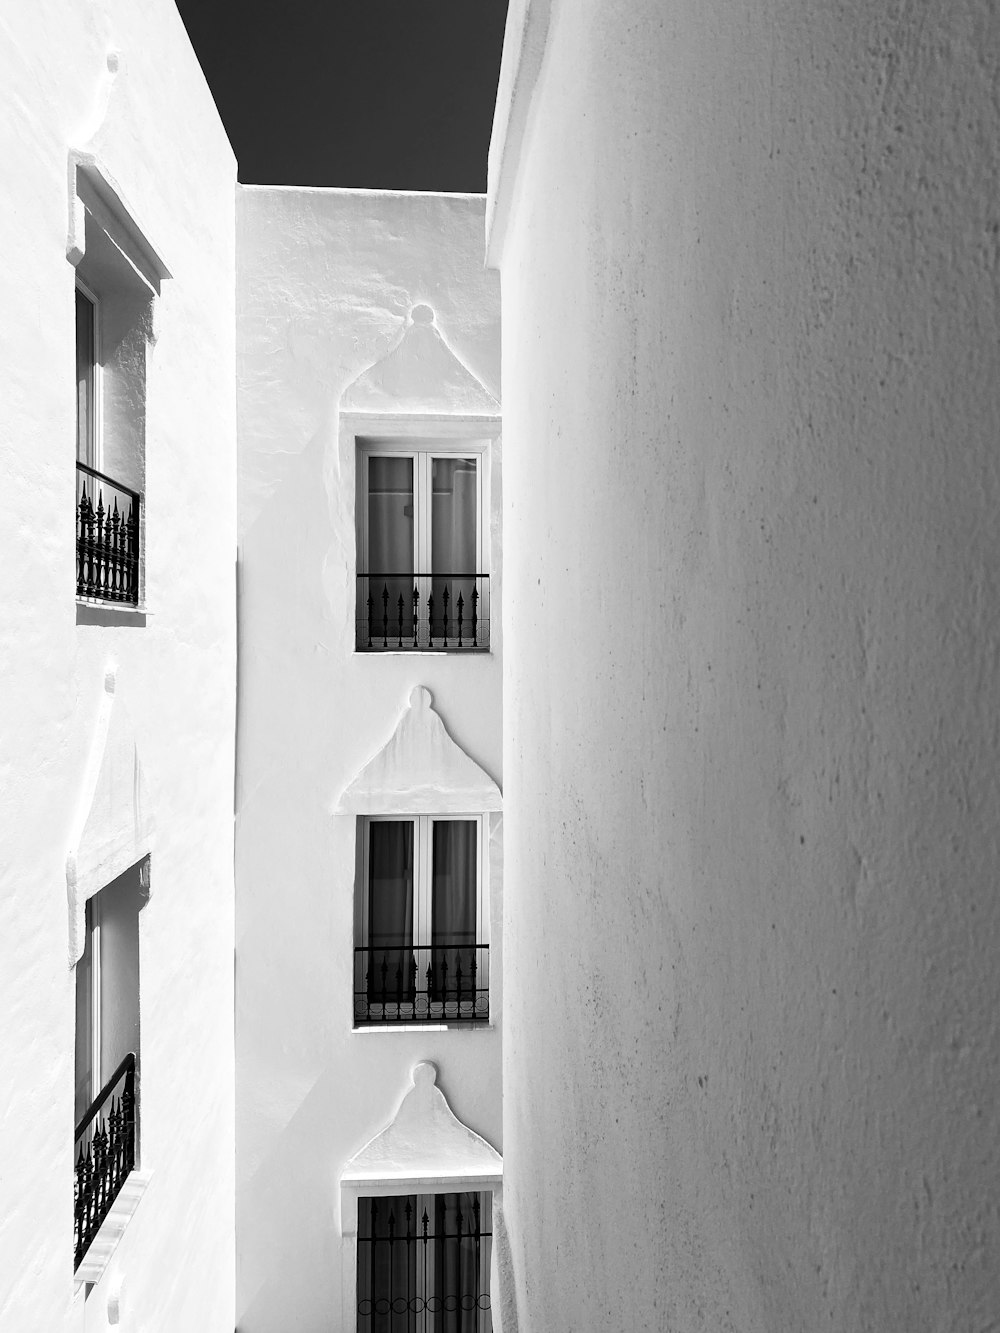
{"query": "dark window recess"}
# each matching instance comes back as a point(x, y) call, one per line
point(424, 1264)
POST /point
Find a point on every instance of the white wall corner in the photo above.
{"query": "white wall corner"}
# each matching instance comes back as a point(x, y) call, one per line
point(424, 1149)
point(420, 770)
point(523, 50)
point(113, 825)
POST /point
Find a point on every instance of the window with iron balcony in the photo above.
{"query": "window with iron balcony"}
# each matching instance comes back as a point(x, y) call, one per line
point(423, 580)
point(105, 1146)
point(117, 282)
point(422, 924)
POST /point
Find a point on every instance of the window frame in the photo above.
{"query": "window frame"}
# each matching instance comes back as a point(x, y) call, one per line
point(422, 453)
point(425, 1201)
point(423, 874)
point(423, 902)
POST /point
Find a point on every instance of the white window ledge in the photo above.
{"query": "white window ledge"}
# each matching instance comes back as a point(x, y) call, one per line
point(425, 1027)
point(104, 1244)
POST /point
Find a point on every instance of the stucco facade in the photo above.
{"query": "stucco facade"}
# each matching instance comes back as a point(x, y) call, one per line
point(750, 744)
point(361, 315)
point(117, 723)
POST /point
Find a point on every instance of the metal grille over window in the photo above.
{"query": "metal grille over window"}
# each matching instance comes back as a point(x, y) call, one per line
point(105, 1154)
point(450, 613)
point(107, 538)
point(424, 1264)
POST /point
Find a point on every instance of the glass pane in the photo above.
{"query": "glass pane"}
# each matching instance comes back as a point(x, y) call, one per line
point(85, 1021)
point(390, 964)
point(454, 886)
point(391, 1254)
point(461, 1264)
point(86, 357)
point(454, 545)
point(390, 547)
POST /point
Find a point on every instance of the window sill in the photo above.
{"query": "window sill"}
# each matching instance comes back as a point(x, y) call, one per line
point(102, 1247)
point(423, 652)
point(367, 1028)
point(109, 613)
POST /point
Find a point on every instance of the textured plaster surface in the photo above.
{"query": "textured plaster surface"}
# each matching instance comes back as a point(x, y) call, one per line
point(114, 825)
point(752, 757)
point(424, 1141)
point(155, 127)
point(420, 770)
point(328, 280)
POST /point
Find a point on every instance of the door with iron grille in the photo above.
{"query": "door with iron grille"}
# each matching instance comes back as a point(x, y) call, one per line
point(424, 1263)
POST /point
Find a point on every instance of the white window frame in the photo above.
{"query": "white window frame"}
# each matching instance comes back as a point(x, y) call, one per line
point(422, 453)
point(423, 873)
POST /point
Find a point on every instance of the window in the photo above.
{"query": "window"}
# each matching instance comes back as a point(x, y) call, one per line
point(422, 951)
point(424, 1263)
point(422, 571)
point(107, 1051)
point(116, 284)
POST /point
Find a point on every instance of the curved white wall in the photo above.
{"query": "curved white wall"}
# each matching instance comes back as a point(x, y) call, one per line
point(751, 754)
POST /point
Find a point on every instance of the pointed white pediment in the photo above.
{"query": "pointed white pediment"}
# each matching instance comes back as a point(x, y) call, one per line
point(113, 828)
point(420, 770)
point(425, 1148)
point(419, 374)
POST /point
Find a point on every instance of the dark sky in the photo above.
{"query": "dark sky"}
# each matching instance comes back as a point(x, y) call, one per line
point(363, 93)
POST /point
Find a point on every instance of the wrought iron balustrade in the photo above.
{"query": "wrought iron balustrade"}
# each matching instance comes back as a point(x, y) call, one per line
point(423, 612)
point(105, 1154)
point(107, 538)
point(419, 1273)
point(432, 983)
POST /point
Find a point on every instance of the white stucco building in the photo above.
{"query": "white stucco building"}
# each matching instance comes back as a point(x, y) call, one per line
point(118, 658)
point(600, 811)
point(369, 832)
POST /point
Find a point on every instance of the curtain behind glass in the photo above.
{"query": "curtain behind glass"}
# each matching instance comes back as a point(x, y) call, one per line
point(458, 1256)
point(388, 1268)
point(390, 541)
point(454, 548)
point(391, 966)
point(453, 908)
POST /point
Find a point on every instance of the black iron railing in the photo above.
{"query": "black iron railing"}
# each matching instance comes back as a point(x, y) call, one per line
point(107, 538)
point(418, 1274)
point(433, 983)
point(423, 612)
point(105, 1153)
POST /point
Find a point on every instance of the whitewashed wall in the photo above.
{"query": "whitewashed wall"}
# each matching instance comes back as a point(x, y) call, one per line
point(326, 282)
point(156, 129)
point(751, 413)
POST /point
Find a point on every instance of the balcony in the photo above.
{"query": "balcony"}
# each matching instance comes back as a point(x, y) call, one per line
point(422, 984)
point(107, 539)
point(423, 613)
point(104, 1144)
